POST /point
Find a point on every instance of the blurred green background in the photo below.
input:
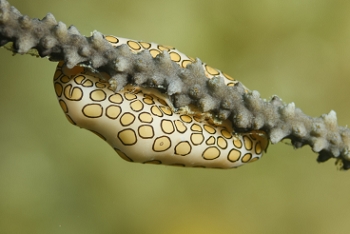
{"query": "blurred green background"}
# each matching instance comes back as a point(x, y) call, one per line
point(56, 178)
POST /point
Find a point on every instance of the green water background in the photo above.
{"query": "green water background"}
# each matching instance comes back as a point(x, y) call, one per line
point(56, 178)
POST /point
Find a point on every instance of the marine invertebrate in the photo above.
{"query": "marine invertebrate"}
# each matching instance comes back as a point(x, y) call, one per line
point(141, 127)
point(187, 86)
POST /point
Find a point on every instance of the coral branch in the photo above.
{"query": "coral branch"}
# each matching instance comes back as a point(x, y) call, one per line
point(185, 86)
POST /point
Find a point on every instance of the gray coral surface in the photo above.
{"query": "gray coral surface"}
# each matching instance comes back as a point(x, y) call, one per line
point(184, 86)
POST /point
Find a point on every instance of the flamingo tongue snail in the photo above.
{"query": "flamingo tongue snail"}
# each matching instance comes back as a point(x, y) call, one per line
point(142, 125)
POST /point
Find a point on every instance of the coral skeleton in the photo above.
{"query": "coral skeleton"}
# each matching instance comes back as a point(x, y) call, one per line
point(187, 86)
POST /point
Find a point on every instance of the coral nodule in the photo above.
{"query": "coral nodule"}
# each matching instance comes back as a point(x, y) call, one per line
point(189, 84)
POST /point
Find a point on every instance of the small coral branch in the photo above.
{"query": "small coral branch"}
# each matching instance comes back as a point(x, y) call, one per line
point(185, 86)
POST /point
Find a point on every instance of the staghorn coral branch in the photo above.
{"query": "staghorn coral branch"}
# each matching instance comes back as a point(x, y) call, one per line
point(185, 86)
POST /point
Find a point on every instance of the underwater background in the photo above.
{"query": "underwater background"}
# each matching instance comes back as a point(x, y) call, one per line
point(57, 178)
